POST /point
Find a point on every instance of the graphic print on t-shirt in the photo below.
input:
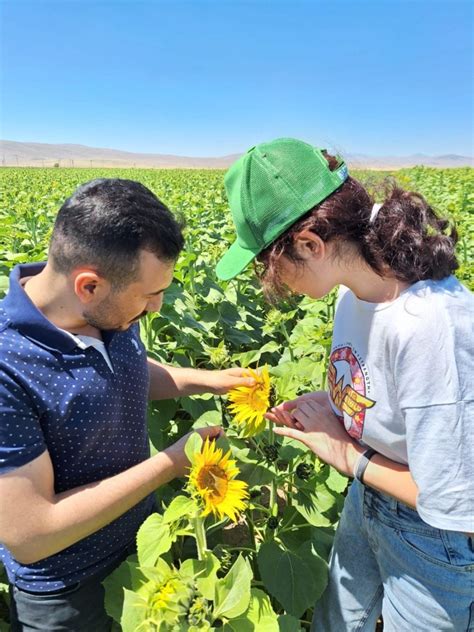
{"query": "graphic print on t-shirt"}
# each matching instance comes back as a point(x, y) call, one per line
point(348, 381)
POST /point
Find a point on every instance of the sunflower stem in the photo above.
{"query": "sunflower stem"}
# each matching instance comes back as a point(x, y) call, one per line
point(200, 535)
point(273, 486)
point(271, 434)
point(282, 329)
point(290, 483)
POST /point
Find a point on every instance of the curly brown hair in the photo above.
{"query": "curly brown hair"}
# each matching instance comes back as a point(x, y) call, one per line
point(407, 240)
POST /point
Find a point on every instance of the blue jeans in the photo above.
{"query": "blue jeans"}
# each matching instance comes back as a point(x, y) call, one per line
point(387, 560)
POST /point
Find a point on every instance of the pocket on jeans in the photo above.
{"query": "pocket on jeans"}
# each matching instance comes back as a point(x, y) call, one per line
point(435, 548)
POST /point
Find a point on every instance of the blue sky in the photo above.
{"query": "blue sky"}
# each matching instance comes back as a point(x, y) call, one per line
point(209, 78)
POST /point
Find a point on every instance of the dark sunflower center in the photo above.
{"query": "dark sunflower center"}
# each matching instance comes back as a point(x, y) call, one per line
point(214, 479)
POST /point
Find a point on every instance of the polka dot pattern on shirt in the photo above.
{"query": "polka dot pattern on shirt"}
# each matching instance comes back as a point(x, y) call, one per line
point(91, 420)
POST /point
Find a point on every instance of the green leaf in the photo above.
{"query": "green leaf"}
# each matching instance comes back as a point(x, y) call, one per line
point(197, 406)
point(247, 357)
point(193, 446)
point(312, 503)
point(232, 592)
point(291, 449)
point(255, 475)
point(205, 572)
point(179, 507)
point(259, 617)
point(127, 575)
point(288, 623)
point(295, 578)
point(209, 418)
point(153, 539)
point(336, 481)
point(134, 611)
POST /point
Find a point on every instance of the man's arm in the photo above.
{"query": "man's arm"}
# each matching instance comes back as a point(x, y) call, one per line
point(167, 382)
point(36, 523)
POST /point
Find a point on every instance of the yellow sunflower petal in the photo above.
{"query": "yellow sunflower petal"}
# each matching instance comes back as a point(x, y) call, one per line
point(250, 403)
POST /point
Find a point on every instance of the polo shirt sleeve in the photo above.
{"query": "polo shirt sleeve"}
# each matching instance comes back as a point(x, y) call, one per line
point(21, 437)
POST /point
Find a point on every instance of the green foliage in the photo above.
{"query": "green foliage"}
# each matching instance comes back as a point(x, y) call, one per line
point(266, 572)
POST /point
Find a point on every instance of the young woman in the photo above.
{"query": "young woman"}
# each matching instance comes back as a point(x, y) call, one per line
point(398, 415)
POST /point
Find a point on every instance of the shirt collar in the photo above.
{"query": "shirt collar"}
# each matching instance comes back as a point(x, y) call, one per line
point(24, 316)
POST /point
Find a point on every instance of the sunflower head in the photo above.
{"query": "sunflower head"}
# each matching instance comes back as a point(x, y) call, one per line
point(250, 403)
point(164, 594)
point(212, 481)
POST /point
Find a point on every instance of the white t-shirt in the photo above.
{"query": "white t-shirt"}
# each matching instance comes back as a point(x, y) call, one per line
point(401, 377)
point(83, 342)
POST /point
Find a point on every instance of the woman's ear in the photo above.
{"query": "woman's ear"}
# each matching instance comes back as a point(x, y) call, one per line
point(308, 245)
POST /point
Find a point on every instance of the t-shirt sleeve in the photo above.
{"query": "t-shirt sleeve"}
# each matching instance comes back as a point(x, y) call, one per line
point(21, 437)
point(441, 457)
point(431, 381)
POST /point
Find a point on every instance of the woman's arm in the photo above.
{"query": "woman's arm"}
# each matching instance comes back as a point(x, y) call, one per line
point(309, 419)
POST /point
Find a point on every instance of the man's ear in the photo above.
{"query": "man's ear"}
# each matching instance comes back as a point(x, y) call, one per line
point(89, 286)
point(308, 245)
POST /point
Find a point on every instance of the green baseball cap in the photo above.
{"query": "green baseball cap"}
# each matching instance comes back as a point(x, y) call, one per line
point(269, 188)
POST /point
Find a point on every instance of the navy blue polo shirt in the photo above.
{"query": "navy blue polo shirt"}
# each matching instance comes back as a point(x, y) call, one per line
point(57, 396)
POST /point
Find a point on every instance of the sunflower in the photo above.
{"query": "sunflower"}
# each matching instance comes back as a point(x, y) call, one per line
point(250, 403)
point(165, 594)
point(212, 480)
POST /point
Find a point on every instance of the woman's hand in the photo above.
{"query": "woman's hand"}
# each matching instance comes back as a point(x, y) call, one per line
point(281, 414)
point(310, 419)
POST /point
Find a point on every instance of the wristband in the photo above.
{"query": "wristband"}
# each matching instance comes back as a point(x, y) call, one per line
point(362, 463)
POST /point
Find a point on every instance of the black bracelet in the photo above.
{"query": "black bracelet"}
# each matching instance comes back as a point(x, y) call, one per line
point(362, 463)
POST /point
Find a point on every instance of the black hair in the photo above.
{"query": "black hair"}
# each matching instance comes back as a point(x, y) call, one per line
point(106, 223)
point(407, 240)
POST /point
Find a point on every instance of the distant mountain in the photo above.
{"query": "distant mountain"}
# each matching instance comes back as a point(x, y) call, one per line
point(13, 153)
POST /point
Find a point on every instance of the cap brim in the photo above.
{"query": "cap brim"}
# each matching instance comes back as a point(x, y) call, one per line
point(234, 261)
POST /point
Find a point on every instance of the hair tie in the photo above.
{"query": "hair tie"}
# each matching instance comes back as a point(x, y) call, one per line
point(375, 211)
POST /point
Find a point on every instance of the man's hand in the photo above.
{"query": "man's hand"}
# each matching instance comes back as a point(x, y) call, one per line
point(219, 382)
point(167, 382)
point(176, 451)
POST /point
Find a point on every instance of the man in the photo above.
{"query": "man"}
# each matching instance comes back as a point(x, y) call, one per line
point(76, 477)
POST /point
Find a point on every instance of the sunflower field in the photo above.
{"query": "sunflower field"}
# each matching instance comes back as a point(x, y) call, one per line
point(240, 545)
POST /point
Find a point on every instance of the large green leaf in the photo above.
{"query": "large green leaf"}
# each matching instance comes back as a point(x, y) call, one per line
point(232, 592)
point(153, 539)
point(179, 507)
point(134, 611)
point(313, 502)
point(204, 573)
point(209, 418)
point(287, 623)
point(336, 481)
point(259, 617)
point(127, 575)
point(295, 578)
